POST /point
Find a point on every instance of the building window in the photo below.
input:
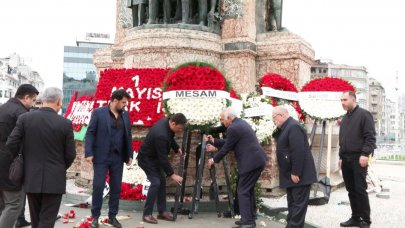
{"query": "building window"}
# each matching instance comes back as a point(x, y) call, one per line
point(320, 70)
point(1, 93)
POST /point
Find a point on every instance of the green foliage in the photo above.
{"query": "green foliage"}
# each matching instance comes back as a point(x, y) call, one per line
point(394, 157)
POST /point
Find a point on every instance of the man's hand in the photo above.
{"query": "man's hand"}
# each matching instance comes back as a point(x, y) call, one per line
point(295, 179)
point(129, 162)
point(210, 163)
point(89, 159)
point(210, 138)
point(178, 179)
point(211, 148)
point(340, 164)
point(180, 151)
point(363, 161)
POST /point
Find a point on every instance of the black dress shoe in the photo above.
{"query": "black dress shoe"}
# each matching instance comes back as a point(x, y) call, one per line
point(245, 226)
point(22, 223)
point(351, 222)
point(239, 222)
point(94, 223)
point(364, 224)
point(114, 222)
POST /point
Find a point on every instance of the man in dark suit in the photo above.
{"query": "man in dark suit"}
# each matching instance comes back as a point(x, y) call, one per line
point(296, 165)
point(108, 144)
point(11, 195)
point(153, 159)
point(47, 143)
point(250, 158)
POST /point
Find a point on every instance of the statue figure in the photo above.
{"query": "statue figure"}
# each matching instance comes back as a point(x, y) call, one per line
point(275, 14)
point(185, 11)
point(167, 9)
point(202, 11)
point(203, 8)
point(138, 11)
point(211, 13)
point(153, 11)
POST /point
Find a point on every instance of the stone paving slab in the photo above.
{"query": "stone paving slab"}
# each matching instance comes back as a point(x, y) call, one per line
point(201, 220)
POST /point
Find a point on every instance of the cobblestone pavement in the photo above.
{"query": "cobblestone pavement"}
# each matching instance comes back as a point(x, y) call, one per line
point(384, 212)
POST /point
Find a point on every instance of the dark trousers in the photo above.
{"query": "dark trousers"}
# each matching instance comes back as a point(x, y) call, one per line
point(355, 181)
point(157, 188)
point(236, 201)
point(297, 200)
point(115, 166)
point(44, 208)
point(246, 194)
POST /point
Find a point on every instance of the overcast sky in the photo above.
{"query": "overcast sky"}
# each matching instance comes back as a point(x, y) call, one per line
point(366, 33)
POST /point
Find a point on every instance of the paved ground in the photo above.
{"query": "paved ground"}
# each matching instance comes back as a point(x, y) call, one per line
point(202, 220)
point(384, 212)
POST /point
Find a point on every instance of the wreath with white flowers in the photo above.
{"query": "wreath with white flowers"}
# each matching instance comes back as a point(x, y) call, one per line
point(199, 91)
point(258, 113)
point(320, 98)
point(280, 91)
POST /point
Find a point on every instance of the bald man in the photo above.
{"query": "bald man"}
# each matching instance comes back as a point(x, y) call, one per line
point(296, 165)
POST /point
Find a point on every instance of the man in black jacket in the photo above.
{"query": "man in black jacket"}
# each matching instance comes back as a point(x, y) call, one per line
point(11, 195)
point(250, 158)
point(296, 165)
point(153, 159)
point(357, 142)
point(47, 144)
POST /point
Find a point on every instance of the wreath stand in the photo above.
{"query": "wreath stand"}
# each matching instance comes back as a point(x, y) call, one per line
point(180, 189)
point(324, 183)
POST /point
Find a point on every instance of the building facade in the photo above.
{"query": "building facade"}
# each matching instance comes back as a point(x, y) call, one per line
point(79, 72)
point(13, 73)
point(356, 75)
point(376, 106)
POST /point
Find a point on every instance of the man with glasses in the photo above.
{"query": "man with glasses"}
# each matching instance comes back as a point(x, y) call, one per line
point(296, 165)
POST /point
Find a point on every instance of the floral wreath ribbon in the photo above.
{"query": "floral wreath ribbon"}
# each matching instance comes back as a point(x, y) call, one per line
point(312, 102)
point(236, 103)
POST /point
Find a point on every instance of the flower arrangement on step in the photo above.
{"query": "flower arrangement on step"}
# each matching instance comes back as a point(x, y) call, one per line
point(133, 177)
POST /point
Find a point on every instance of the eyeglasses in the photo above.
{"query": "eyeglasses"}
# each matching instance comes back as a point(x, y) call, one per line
point(274, 116)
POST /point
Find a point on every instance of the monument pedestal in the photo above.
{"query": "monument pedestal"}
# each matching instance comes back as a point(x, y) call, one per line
point(168, 47)
point(284, 53)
